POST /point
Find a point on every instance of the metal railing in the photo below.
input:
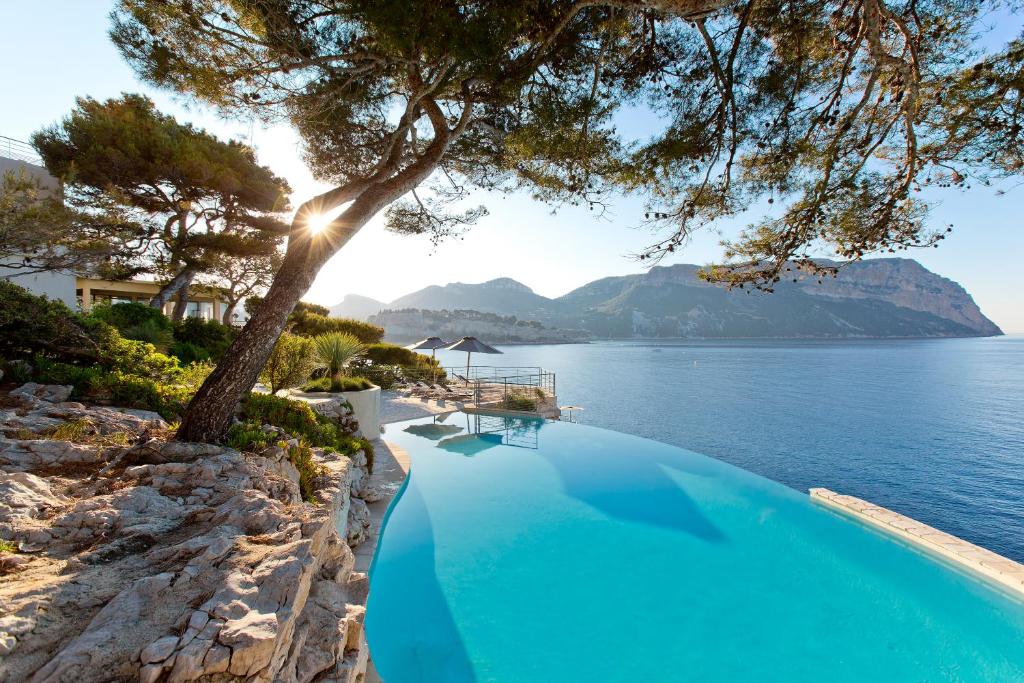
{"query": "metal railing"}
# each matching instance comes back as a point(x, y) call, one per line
point(506, 385)
point(19, 151)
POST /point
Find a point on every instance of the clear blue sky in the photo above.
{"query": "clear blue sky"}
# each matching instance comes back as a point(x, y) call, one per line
point(54, 51)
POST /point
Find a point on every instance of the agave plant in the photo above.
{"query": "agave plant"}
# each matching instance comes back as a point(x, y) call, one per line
point(336, 350)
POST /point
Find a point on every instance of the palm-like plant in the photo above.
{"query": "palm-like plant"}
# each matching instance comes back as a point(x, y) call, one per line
point(336, 350)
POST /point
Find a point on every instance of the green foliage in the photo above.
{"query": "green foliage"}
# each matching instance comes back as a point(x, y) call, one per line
point(335, 351)
point(124, 389)
point(82, 378)
point(310, 324)
point(8, 546)
point(519, 400)
point(335, 385)
point(309, 469)
point(31, 325)
point(200, 197)
point(247, 436)
point(838, 110)
point(300, 420)
point(210, 336)
point(186, 352)
point(290, 363)
point(392, 354)
point(384, 376)
point(89, 353)
point(127, 316)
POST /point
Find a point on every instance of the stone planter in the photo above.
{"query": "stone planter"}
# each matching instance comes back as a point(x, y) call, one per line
point(366, 407)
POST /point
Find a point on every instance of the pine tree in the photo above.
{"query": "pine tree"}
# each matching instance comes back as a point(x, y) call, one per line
point(835, 109)
point(200, 197)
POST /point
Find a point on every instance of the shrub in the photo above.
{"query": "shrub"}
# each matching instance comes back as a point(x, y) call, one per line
point(311, 324)
point(136, 321)
point(81, 378)
point(211, 336)
point(300, 420)
point(517, 400)
point(31, 325)
point(187, 352)
point(384, 376)
point(393, 354)
point(309, 469)
point(247, 436)
point(335, 351)
point(170, 400)
point(338, 384)
point(290, 363)
point(8, 546)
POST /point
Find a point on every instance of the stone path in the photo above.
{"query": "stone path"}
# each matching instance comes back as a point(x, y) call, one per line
point(390, 467)
point(395, 407)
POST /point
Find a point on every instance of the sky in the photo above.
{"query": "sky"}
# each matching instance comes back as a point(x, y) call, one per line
point(55, 51)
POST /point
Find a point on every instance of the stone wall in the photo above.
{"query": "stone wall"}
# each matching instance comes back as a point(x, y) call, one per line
point(147, 559)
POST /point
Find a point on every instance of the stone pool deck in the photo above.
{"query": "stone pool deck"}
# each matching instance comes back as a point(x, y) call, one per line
point(998, 569)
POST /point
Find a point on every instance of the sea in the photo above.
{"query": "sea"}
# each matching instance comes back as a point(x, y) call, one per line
point(931, 428)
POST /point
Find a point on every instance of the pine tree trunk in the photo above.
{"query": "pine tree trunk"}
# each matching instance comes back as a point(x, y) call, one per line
point(180, 304)
point(209, 414)
point(169, 290)
point(229, 311)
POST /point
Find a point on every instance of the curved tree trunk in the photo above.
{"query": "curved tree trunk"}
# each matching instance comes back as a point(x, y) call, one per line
point(180, 304)
point(229, 311)
point(169, 290)
point(209, 414)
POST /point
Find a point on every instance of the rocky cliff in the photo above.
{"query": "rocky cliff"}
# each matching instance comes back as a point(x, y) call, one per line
point(140, 558)
point(874, 298)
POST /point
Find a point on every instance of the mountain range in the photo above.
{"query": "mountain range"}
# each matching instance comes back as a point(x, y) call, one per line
point(891, 297)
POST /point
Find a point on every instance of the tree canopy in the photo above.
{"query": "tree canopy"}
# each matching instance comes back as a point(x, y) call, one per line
point(200, 197)
point(833, 112)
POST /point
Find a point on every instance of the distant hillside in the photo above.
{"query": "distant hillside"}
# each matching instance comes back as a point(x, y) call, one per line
point(504, 296)
point(358, 307)
point(412, 324)
point(875, 298)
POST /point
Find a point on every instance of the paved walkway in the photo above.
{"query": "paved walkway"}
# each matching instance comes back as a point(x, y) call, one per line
point(395, 407)
point(390, 465)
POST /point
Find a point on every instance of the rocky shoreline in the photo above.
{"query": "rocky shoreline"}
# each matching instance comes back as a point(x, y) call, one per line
point(141, 558)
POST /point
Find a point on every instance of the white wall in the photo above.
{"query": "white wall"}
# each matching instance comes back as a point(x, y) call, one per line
point(55, 285)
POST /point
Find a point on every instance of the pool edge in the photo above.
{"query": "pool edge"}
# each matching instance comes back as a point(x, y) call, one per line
point(1000, 570)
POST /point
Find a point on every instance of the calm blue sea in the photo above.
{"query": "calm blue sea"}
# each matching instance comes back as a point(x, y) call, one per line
point(931, 428)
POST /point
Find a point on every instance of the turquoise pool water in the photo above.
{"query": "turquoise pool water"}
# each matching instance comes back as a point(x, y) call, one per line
point(522, 550)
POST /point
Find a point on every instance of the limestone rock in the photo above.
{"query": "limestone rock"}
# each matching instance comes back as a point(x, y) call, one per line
point(171, 562)
point(54, 393)
point(358, 522)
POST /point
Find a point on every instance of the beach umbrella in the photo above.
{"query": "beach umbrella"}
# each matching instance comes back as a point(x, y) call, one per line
point(570, 409)
point(432, 344)
point(471, 345)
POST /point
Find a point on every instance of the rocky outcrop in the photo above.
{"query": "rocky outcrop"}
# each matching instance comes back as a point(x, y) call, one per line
point(163, 561)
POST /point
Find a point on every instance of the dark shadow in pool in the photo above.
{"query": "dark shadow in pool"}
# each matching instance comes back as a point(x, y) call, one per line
point(413, 636)
point(634, 487)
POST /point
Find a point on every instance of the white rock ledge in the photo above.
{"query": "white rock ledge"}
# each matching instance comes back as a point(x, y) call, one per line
point(996, 568)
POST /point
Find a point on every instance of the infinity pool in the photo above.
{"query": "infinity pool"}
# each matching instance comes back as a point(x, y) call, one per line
point(522, 550)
